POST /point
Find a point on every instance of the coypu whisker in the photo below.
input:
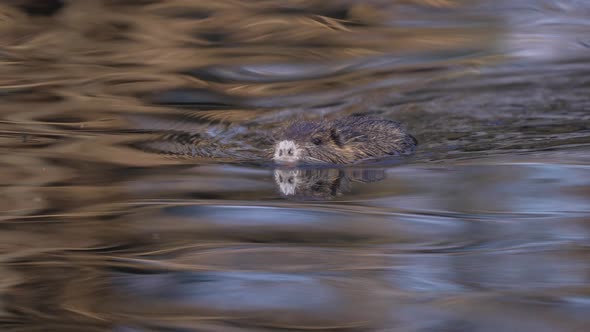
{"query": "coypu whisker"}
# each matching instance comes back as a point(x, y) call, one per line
point(315, 159)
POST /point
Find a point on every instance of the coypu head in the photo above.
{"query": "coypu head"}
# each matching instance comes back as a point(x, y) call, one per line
point(309, 142)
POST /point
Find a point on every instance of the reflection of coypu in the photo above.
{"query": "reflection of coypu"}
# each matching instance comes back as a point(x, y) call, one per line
point(312, 184)
point(342, 141)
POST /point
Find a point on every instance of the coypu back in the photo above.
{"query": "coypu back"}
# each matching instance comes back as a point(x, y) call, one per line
point(342, 141)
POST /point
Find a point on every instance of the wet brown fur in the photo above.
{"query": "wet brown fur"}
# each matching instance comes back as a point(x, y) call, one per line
point(348, 140)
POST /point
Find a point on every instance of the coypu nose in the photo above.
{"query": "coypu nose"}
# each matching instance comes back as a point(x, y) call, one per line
point(286, 151)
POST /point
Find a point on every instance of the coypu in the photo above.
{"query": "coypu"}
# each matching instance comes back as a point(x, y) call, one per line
point(342, 141)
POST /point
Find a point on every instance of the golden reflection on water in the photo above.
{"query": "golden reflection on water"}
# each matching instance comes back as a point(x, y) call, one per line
point(136, 193)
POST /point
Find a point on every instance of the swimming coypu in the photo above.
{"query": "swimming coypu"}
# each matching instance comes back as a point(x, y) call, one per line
point(342, 141)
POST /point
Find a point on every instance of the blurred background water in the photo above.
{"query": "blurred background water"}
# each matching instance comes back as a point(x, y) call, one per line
point(136, 194)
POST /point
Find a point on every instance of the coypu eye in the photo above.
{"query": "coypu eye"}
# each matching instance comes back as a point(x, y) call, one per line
point(290, 180)
point(290, 152)
point(316, 140)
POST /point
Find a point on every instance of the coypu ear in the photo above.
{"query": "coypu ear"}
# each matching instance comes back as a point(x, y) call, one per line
point(336, 137)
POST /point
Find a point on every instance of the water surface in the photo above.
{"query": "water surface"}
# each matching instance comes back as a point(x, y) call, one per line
point(137, 194)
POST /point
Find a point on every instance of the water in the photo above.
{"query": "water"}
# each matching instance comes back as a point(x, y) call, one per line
point(137, 194)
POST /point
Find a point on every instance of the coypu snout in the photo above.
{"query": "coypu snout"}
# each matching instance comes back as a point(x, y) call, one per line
point(286, 152)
